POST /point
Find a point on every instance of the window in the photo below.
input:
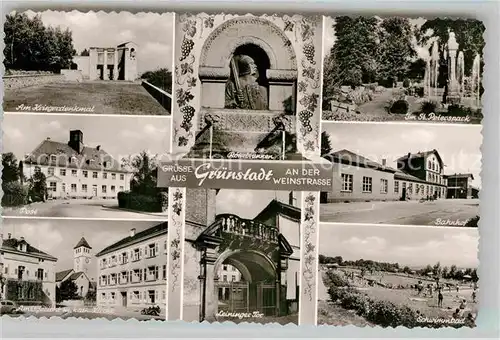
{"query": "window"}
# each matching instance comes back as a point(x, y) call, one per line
point(121, 187)
point(73, 187)
point(85, 173)
point(233, 278)
point(122, 177)
point(410, 188)
point(50, 171)
point(396, 187)
point(367, 184)
point(84, 187)
point(113, 189)
point(224, 267)
point(113, 176)
point(224, 278)
point(137, 256)
point(94, 174)
point(62, 172)
point(74, 173)
point(427, 190)
point(164, 272)
point(124, 258)
point(152, 250)
point(39, 274)
point(105, 174)
point(429, 165)
point(384, 186)
point(53, 158)
point(53, 186)
point(104, 189)
point(347, 180)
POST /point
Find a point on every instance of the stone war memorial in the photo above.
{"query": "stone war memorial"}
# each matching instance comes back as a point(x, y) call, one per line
point(247, 87)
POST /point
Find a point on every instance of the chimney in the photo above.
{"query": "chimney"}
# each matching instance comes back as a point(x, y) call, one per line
point(22, 238)
point(98, 147)
point(409, 154)
point(132, 232)
point(384, 162)
point(76, 140)
point(48, 138)
point(9, 235)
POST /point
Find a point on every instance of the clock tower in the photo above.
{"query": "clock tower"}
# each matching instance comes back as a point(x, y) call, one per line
point(82, 256)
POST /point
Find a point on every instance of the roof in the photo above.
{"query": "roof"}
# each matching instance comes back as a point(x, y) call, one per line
point(75, 276)
point(126, 43)
point(102, 161)
point(422, 154)
point(82, 243)
point(158, 229)
point(11, 244)
point(62, 274)
point(276, 207)
point(460, 175)
point(348, 157)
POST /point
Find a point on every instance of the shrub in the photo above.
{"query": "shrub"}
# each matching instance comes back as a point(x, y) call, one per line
point(163, 199)
point(336, 280)
point(460, 111)
point(419, 91)
point(428, 107)
point(406, 83)
point(399, 106)
point(387, 314)
point(473, 222)
point(133, 201)
point(14, 194)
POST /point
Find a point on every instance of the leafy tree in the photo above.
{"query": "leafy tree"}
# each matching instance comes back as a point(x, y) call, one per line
point(67, 291)
point(85, 53)
point(10, 168)
point(38, 182)
point(352, 60)
point(161, 78)
point(145, 171)
point(326, 146)
point(396, 49)
point(29, 45)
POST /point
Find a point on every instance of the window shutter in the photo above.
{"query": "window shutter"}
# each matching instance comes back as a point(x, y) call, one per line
point(156, 272)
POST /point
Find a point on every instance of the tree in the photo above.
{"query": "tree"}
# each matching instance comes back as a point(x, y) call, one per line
point(85, 53)
point(396, 49)
point(67, 291)
point(352, 60)
point(29, 45)
point(161, 78)
point(145, 171)
point(326, 146)
point(10, 168)
point(38, 191)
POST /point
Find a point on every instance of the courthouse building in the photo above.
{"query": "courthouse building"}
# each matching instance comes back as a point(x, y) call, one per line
point(356, 178)
point(28, 275)
point(109, 63)
point(132, 272)
point(74, 170)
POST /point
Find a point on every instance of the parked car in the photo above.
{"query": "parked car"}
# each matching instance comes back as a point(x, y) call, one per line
point(8, 307)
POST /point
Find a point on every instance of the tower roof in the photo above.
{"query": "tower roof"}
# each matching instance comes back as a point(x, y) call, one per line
point(82, 243)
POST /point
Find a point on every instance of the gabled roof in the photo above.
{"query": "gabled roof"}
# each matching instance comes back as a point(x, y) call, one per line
point(88, 159)
point(159, 229)
point(75, 276)
point(422, 154)
point(10, 245)
point(126, 43)
point(276, 207)
point(348, 157)
point(63, 274)
point(82, 243)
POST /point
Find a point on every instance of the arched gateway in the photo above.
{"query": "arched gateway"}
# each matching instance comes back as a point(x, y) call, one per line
point(254, 247)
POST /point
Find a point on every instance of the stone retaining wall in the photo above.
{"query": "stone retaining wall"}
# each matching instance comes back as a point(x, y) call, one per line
point(20, 81)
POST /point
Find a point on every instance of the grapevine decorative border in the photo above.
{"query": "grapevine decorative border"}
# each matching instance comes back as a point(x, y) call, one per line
point(309, 255)
point(301, 31)
point(175, 243)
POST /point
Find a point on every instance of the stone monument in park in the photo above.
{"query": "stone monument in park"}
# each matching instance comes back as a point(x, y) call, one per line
point(247, 85)
point(453, 95)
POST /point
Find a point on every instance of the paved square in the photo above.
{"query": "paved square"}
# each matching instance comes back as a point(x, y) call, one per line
point(396, 212)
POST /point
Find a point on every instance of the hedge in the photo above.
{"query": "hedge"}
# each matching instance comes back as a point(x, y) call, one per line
point(14, 194)
point(140, 202)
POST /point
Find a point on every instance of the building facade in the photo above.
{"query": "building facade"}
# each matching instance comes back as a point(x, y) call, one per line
point(109, 63)
point(356, 178)
point(132, 272)
point(79, 275)
point(265, 250)
point(74, 170)
point(460, 186)
point(28, 275)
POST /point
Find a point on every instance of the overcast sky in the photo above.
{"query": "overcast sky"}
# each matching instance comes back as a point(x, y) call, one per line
point(459, 145)
point(329, 37)
point(118, 136)
point(411, 246)
point(245, 203)
point(58, 237)
point(152, 32)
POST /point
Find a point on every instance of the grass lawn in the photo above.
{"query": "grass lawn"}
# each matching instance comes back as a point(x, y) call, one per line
point(332, 314)
point(106, 97)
